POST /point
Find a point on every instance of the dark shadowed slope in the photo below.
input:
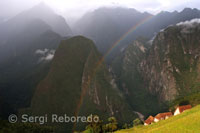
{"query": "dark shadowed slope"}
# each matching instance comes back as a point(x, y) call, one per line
point(78, 85)
point(24, 60)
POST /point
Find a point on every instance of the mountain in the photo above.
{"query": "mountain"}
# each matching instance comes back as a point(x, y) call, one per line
point(41, 12)
point(130, 80)
point(79, 84)
point(159, 22)
point(171, 69)
point(24, 60)
point(166, 71)
point(28, 25)
point(28, 42)
point(165, 19)
point(106, 25)
point(18, 42)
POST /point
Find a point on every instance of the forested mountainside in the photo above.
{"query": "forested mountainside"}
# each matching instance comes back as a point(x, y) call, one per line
point(167, 70)
point(172, 66)
point(79, 84)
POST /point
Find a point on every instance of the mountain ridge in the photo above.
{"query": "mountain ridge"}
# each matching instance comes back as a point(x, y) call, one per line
point(87, 85)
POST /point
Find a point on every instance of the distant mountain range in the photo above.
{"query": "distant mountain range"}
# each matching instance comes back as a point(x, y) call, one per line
point(165, 19)
point(107, 25)
point(42, 12)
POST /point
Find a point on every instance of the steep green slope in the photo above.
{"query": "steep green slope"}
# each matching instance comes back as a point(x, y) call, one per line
point(79, 84)
point(7, 127)
point(192, 99)
point(171, 69)
point(187, 122)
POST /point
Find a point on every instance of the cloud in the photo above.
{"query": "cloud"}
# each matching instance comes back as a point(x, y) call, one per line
point(189, 23)
point(49, 56)
point(45, 55)
point(41, 52)
point(188, 26)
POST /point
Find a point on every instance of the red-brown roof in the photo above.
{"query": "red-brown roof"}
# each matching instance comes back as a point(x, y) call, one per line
point(163, 115)
point(149, 120)
point(183, 108)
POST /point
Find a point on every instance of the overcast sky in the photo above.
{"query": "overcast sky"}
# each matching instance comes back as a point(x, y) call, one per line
point(75, 8)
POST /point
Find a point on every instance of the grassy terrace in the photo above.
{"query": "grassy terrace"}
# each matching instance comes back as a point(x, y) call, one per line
point(187, 122)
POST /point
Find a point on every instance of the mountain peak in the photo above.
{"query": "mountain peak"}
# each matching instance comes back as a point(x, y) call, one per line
point(44, 12)
point(185, 10)
point(42, 6)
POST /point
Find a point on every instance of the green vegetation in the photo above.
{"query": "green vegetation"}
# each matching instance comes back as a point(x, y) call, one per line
point(183, 58)
point(192, 99)
point(100, 127)
point(188, 122)
point(94, 127)
point(6, 127)
point(78, 84)
point(63, 83)
point(130, 79)
point(137, 122)
point(112, 125)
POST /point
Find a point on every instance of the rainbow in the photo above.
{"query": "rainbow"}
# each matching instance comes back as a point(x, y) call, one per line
point(126, 34)
point(99, 63)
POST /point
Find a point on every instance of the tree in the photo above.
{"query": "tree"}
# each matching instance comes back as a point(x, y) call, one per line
point(94, 126)
point(112, 125)
point(137, 122)
point(125, 126)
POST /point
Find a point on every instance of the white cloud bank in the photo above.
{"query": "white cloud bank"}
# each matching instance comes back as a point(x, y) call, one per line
point(188, 26)
point(190, 23)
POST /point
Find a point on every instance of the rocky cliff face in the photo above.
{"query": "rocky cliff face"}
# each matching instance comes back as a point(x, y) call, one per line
point(126, 69)
point(171, 68)
point(159, 73)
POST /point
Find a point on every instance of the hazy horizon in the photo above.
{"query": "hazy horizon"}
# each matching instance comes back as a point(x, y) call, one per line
point(73, 10)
